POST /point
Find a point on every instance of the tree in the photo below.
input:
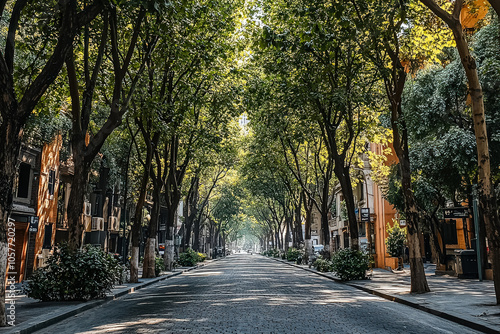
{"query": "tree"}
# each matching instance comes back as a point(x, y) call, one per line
point(226, 210)
point(21, 90)
point(116, 103)
point(382, 24)
point(488, 202)
point(316, 57)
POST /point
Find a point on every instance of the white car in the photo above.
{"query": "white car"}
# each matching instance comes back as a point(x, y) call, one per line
point(318, 248)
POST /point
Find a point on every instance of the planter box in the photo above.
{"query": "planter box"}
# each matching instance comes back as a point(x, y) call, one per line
point(488, 274)
point(391, 262)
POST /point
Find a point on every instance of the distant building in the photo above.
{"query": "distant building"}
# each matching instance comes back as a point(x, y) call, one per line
point(377, 211)
point(243, 121)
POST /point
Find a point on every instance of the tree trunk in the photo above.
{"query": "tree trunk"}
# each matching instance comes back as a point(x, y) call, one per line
point(308, 251)
point(134, 264)
point(196, 241)
point(344, 178)
point(394, 83)
point(169, 256)
point(10, 133)
point(297, 229)
point(148, 268)
point(436, 247)
point(137, 225)
point(487, 195)
point(325, 209)
point(288, 232)
point(188, 230)
point(193, 218)
point(417, 273)
point(79, 182)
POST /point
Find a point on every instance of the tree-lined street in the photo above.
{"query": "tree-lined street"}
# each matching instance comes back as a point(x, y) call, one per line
point(345, 138)
point(252, 294)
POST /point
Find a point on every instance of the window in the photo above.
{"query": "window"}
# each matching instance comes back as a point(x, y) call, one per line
point(362, 230)
point(23, 183)
point(47, 240)
point(52, 183)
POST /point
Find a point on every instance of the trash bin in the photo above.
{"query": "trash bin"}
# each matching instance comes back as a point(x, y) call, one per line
point(466, 263)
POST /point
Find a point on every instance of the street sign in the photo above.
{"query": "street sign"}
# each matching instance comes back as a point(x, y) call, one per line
point(33, 224)
point(365, 214)
point(459, 212)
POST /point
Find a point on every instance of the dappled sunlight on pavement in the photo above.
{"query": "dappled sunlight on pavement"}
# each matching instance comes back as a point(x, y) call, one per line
point(252, 294)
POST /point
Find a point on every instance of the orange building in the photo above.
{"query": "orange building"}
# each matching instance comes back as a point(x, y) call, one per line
point(458, 233)
point(34, 208)
point(47, 200)
point(383, 213)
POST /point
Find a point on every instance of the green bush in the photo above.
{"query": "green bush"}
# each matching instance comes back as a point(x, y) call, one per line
point(202, 257)
point(85, 274)
point(293, 254)
point(396, 239)
point(190, 258)
point(350, 264)
point(273, 252)
point(159, 266)
point(322, 265)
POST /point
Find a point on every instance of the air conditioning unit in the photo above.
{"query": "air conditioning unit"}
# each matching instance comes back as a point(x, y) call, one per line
point(116, 211)
point(97, 224)
point(113, 223)
point(87, 209)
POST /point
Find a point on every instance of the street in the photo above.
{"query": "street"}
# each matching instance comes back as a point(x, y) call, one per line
point(252, 294)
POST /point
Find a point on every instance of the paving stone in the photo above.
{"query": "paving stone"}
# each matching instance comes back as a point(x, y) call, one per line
point(253, 294)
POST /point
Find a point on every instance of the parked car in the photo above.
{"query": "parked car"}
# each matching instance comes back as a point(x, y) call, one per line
point(318, 248)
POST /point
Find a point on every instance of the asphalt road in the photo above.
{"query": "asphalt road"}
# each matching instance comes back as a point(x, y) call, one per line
point(253, 294)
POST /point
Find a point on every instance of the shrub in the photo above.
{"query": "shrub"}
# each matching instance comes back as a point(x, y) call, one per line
point(293, 254)
point(85, 274)
point(350, 264)
point(159, 266)
point(395, 240)
point(202, 257)
point(190, 258)
point(322, 265)
point(271, 252)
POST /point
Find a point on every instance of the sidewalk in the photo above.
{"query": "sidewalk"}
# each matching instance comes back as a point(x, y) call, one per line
point(33, 315)
point(465, 301)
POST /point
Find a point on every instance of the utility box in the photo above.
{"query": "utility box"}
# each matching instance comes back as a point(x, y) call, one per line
point(466, 263)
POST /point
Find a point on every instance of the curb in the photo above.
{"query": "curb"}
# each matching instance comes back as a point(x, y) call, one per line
point(444, 315)
point(54, 317)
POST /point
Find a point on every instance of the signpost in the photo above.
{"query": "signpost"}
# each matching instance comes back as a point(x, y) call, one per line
point(365, 214)
point(459, 212)
point(33, 224)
